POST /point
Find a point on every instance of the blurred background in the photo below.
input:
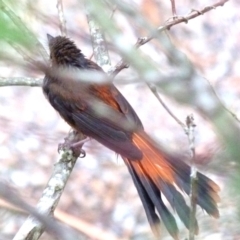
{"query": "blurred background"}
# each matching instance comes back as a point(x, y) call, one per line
point(100, 193)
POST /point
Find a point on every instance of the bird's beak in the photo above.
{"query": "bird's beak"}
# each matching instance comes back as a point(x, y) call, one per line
point(49, 37)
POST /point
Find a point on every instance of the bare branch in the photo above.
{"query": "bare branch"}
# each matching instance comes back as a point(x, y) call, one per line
point(143, 40)
point(155, 92)
point(184, 19)
point(51, 194)
point(61, 17)
point(173, 8)
point(100, 50)
point(20, 81)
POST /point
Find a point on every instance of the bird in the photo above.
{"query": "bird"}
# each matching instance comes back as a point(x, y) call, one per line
point(161, 178)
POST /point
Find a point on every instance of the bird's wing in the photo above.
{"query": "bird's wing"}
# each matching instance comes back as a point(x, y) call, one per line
point(109, 94)
point(99, 117)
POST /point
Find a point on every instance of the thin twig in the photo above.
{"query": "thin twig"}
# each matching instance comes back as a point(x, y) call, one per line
point(223, 105)
point(193, 188)
point(61, 17)
point(21, 52)
point(174, 12)
point(143, 40)
point(113, 11)
point(155, 92)
point(184, 19)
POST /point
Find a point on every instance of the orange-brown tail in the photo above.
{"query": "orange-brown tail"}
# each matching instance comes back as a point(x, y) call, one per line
point(158, 173)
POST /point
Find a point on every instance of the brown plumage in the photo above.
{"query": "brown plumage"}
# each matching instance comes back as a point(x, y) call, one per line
point(154, 172)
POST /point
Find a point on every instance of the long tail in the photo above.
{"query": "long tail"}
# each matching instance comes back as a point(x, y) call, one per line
point(158, 173)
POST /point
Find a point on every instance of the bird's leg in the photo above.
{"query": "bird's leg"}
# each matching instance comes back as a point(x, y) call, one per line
point(74, 141)
point(78, 145)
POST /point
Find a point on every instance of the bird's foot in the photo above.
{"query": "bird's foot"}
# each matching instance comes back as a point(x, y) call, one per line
point(74, 141)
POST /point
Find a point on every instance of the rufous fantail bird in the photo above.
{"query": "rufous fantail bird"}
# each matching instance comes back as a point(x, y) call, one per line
point(154, 171)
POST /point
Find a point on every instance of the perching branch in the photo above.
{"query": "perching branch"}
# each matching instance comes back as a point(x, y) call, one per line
point(51, 194)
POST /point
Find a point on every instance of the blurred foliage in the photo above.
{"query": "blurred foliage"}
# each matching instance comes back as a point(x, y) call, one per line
point(13, 29)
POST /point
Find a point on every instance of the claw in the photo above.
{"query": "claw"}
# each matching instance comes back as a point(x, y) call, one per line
point(60, 147)
point(82, 154)
point(73, 143)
